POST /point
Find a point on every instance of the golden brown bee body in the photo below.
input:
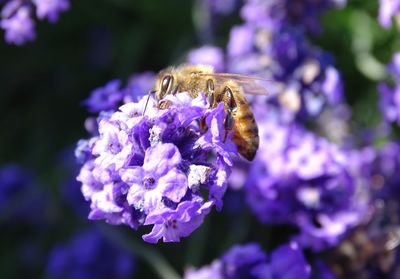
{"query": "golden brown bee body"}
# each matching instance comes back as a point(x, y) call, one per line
point(229, 88)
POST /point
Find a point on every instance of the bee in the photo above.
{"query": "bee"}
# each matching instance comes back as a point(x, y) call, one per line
point(225, 87)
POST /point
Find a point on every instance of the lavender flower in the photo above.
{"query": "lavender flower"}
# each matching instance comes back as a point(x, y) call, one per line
point(390, 95)
point(300, 179)
point(19, 27)
point(208, 55)
point(280, 13)
point(50, 9)
point(21, 200)
point(150, 169)
point(105, 98)
point(112, 95)
point(249, 261)
point(387, 10)
point(89, 255)
point(16, 17)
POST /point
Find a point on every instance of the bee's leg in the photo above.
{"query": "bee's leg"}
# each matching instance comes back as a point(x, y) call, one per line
point(210, 90)
point(231, 107)
point(230, 101)
point(151, 92)
point(228, 124)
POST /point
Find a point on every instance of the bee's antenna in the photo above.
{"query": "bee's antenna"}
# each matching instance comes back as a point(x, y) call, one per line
point(147, 101)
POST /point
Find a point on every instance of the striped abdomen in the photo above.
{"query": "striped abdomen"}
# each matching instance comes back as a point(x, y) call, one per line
point(245, 131)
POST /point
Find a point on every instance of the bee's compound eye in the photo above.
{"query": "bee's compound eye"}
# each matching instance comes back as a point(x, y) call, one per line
point(166, 84)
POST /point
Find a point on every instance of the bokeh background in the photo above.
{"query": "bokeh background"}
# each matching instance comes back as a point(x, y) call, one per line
point(42, 88)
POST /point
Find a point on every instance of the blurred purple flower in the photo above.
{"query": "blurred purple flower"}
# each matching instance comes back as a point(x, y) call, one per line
point(321, 270)
point(138, 85)
point(278, 13)
point(50, 9)
point(16, 17)
point(387, 10)
point(113, 94)
point(13, 180)
point(21, 200)
point(20, 28)
point(221, 7)
point(241, 40)
point(208, 55)
point(300, 179)
point(389, 102)
point(105, 98)
point(249, 261)
point(149, 169)
point(302, 78)
point(89, 255)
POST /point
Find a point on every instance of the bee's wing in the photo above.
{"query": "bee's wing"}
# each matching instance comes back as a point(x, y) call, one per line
point(250, 84)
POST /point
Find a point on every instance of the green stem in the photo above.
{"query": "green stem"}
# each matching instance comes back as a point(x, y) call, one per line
point(149, 255)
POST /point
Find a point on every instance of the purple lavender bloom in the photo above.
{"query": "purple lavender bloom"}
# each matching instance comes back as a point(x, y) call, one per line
point(50, 9)
point(249, 261)
point(112, 95)
point(19, 27)
point(241, 40)
point(300, 179)
point(105, 98)
point(149, 169)
point(89, 255)
point(390, 95)
point(208, 55)
point(280, 13)
point(138, 85)
point(17, 21)
point(387, 10)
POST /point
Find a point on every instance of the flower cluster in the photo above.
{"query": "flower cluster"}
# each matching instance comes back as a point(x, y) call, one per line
point(390, 95)
point(250, 261)
point(153, 169)
point(278, 13)
point(17, 21)
point(302, 180)
point(110, 96)
point(89, 255)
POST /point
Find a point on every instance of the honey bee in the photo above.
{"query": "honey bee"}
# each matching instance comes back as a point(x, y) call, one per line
point(225, 87)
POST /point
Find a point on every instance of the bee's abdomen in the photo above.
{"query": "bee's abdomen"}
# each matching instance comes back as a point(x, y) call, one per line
point(245, 132)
